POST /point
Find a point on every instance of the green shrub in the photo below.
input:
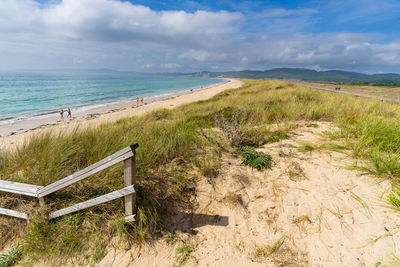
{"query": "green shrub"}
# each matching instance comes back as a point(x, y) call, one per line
point(254, 159)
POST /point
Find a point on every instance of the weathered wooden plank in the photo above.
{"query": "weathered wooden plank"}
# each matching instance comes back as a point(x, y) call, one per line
point(20, 188)
point(13, 213)
point(130, 218)
point(73, 178)
point(93, 202)
point(130, 179)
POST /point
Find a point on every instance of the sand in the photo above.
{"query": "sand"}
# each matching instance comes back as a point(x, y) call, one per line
point(96, 116)
point(308, 210)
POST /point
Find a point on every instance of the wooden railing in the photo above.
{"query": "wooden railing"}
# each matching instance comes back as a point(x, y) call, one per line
point(127, 155)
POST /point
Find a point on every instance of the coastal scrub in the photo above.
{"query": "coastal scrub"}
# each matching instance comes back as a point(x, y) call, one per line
point(176, 148)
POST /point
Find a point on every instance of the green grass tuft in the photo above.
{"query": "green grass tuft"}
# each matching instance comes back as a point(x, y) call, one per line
point(394, 197)
point(276, 246)
point(306, 147)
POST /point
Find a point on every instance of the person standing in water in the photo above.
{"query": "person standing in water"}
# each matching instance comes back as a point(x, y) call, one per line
point(62, 114)
point(137, 101)
point(69, 114)
point(141, 100)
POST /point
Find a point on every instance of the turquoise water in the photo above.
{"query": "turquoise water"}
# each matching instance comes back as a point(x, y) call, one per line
point(28, 95)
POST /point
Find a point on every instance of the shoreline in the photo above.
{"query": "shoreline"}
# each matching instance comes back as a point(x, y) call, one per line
point(52, 117)
point(20, 132)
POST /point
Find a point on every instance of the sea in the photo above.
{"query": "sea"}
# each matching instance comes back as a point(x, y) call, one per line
point(25, 95)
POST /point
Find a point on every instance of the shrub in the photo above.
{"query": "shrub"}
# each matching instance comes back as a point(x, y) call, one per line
point(256, 160)
point(235, 128)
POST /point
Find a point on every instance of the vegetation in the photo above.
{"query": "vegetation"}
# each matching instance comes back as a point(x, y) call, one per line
point(255, 159)
point(276, 245)
point(11, 257)
point(306, 75)
point(183, 254)
point(394, 197)
point(175, 149)
point(388, 84)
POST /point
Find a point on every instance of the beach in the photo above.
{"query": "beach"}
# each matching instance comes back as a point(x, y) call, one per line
point(16, 134)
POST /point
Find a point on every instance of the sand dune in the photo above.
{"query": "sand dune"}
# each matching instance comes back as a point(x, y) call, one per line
point(309, 210)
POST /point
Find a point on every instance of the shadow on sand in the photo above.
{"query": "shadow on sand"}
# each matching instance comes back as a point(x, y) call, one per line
point(186, 222)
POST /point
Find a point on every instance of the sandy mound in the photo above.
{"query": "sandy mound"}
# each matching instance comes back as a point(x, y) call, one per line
point(309, 210)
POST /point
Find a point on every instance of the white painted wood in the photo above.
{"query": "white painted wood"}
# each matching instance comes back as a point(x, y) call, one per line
point(82, 174)
point(13, 213)
point(130, 218)
point(93, 202)
point(129, 179)
point(20, 188)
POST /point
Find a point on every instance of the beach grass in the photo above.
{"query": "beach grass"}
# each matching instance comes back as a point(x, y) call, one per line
point(176, 147)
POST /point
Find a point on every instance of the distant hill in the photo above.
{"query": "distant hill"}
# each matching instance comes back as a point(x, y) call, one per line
point(304, 75)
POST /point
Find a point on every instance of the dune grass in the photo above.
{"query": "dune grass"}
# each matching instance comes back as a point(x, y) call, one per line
point(176, 147)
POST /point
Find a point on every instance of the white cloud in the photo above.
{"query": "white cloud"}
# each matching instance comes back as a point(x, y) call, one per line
point(111, 20)
point(121, 35)
point(283, 12)
point(171, 66)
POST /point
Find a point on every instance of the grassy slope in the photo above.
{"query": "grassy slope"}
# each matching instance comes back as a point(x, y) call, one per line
point(175, 147)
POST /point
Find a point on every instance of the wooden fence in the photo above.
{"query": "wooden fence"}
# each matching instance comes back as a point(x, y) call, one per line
point(127, 155)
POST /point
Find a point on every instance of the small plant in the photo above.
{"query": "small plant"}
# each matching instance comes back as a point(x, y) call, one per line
point(11, 257)
point(360, 200)
point(276, 245)
point(256, 160)
point(209, 164)
point(172, 239)
point(283, 154)
point(395, 260)
point(235, 128)
point(183, 254)
point(394, 197)
point(306, 147)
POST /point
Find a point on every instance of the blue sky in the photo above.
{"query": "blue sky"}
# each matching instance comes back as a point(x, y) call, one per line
point(153, 36)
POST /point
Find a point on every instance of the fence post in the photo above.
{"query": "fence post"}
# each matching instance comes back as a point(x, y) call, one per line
point(41, 202)
point(130, 179)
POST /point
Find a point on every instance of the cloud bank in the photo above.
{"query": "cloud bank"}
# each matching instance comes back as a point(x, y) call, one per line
point(125, 36)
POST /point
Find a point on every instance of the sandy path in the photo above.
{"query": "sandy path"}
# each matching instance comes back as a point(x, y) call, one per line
point(308, 201)
point(12, 141)
point(341, 91)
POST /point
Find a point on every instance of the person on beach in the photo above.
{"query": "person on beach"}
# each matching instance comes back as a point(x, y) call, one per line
point(191, 90)
point(137, 101)
point(141, 100)
point(62, 114)
point(69, 114)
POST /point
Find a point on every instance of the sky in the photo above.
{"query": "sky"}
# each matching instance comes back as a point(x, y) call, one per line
point(188, 35)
